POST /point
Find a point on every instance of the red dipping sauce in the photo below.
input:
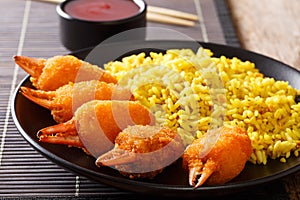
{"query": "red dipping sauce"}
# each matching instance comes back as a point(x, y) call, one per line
point(101, 10)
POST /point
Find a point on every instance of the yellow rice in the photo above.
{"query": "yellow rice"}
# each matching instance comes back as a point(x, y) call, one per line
point(176, 86)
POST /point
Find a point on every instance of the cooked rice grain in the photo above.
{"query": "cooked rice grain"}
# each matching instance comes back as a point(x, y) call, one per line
point(176, 87)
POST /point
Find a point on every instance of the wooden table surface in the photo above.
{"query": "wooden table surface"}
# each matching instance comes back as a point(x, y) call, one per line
point(269, 27)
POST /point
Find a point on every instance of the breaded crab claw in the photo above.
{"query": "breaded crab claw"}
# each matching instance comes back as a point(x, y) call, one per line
point(52, 73)
point(143, 151)
point(65, 100)
point(225, 160)
point(96, 124)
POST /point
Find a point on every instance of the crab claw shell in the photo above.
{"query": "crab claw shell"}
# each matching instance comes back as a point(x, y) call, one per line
point(225, 160)
point(42, 98)
point(65, 100)
point(143, 151)
point(64, 133)
point(60, 138)
point(208, 169)
point(66, 127)
point(116, 157)
point(57, 71)
point(33, 66)
point(125, 162)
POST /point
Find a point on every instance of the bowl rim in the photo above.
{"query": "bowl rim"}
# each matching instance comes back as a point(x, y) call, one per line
point(61, 12)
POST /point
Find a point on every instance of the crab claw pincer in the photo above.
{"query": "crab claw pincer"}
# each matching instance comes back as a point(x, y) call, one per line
point(52, 73)
point(143, 151)
point(96, 124)
point(224, 161)
point(65, 100)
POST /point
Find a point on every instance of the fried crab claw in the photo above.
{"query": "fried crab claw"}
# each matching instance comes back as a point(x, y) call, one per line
point(225, 160)
point(96, 124)
point(52, 73)
point(65, 100)
point(64, 133)
point(143, 151)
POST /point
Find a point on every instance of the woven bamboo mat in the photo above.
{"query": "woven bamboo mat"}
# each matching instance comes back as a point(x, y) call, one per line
point(31, 29)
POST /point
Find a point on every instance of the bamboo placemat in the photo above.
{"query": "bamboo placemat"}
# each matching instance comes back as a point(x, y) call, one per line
point(31, 29)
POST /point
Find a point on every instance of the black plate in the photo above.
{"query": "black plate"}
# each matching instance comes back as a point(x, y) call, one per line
point(29, 118)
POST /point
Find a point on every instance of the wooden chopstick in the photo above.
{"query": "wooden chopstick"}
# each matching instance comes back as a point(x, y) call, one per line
point(169, 16)
point(155, 17)
point(172, 13)
point(161, 15)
